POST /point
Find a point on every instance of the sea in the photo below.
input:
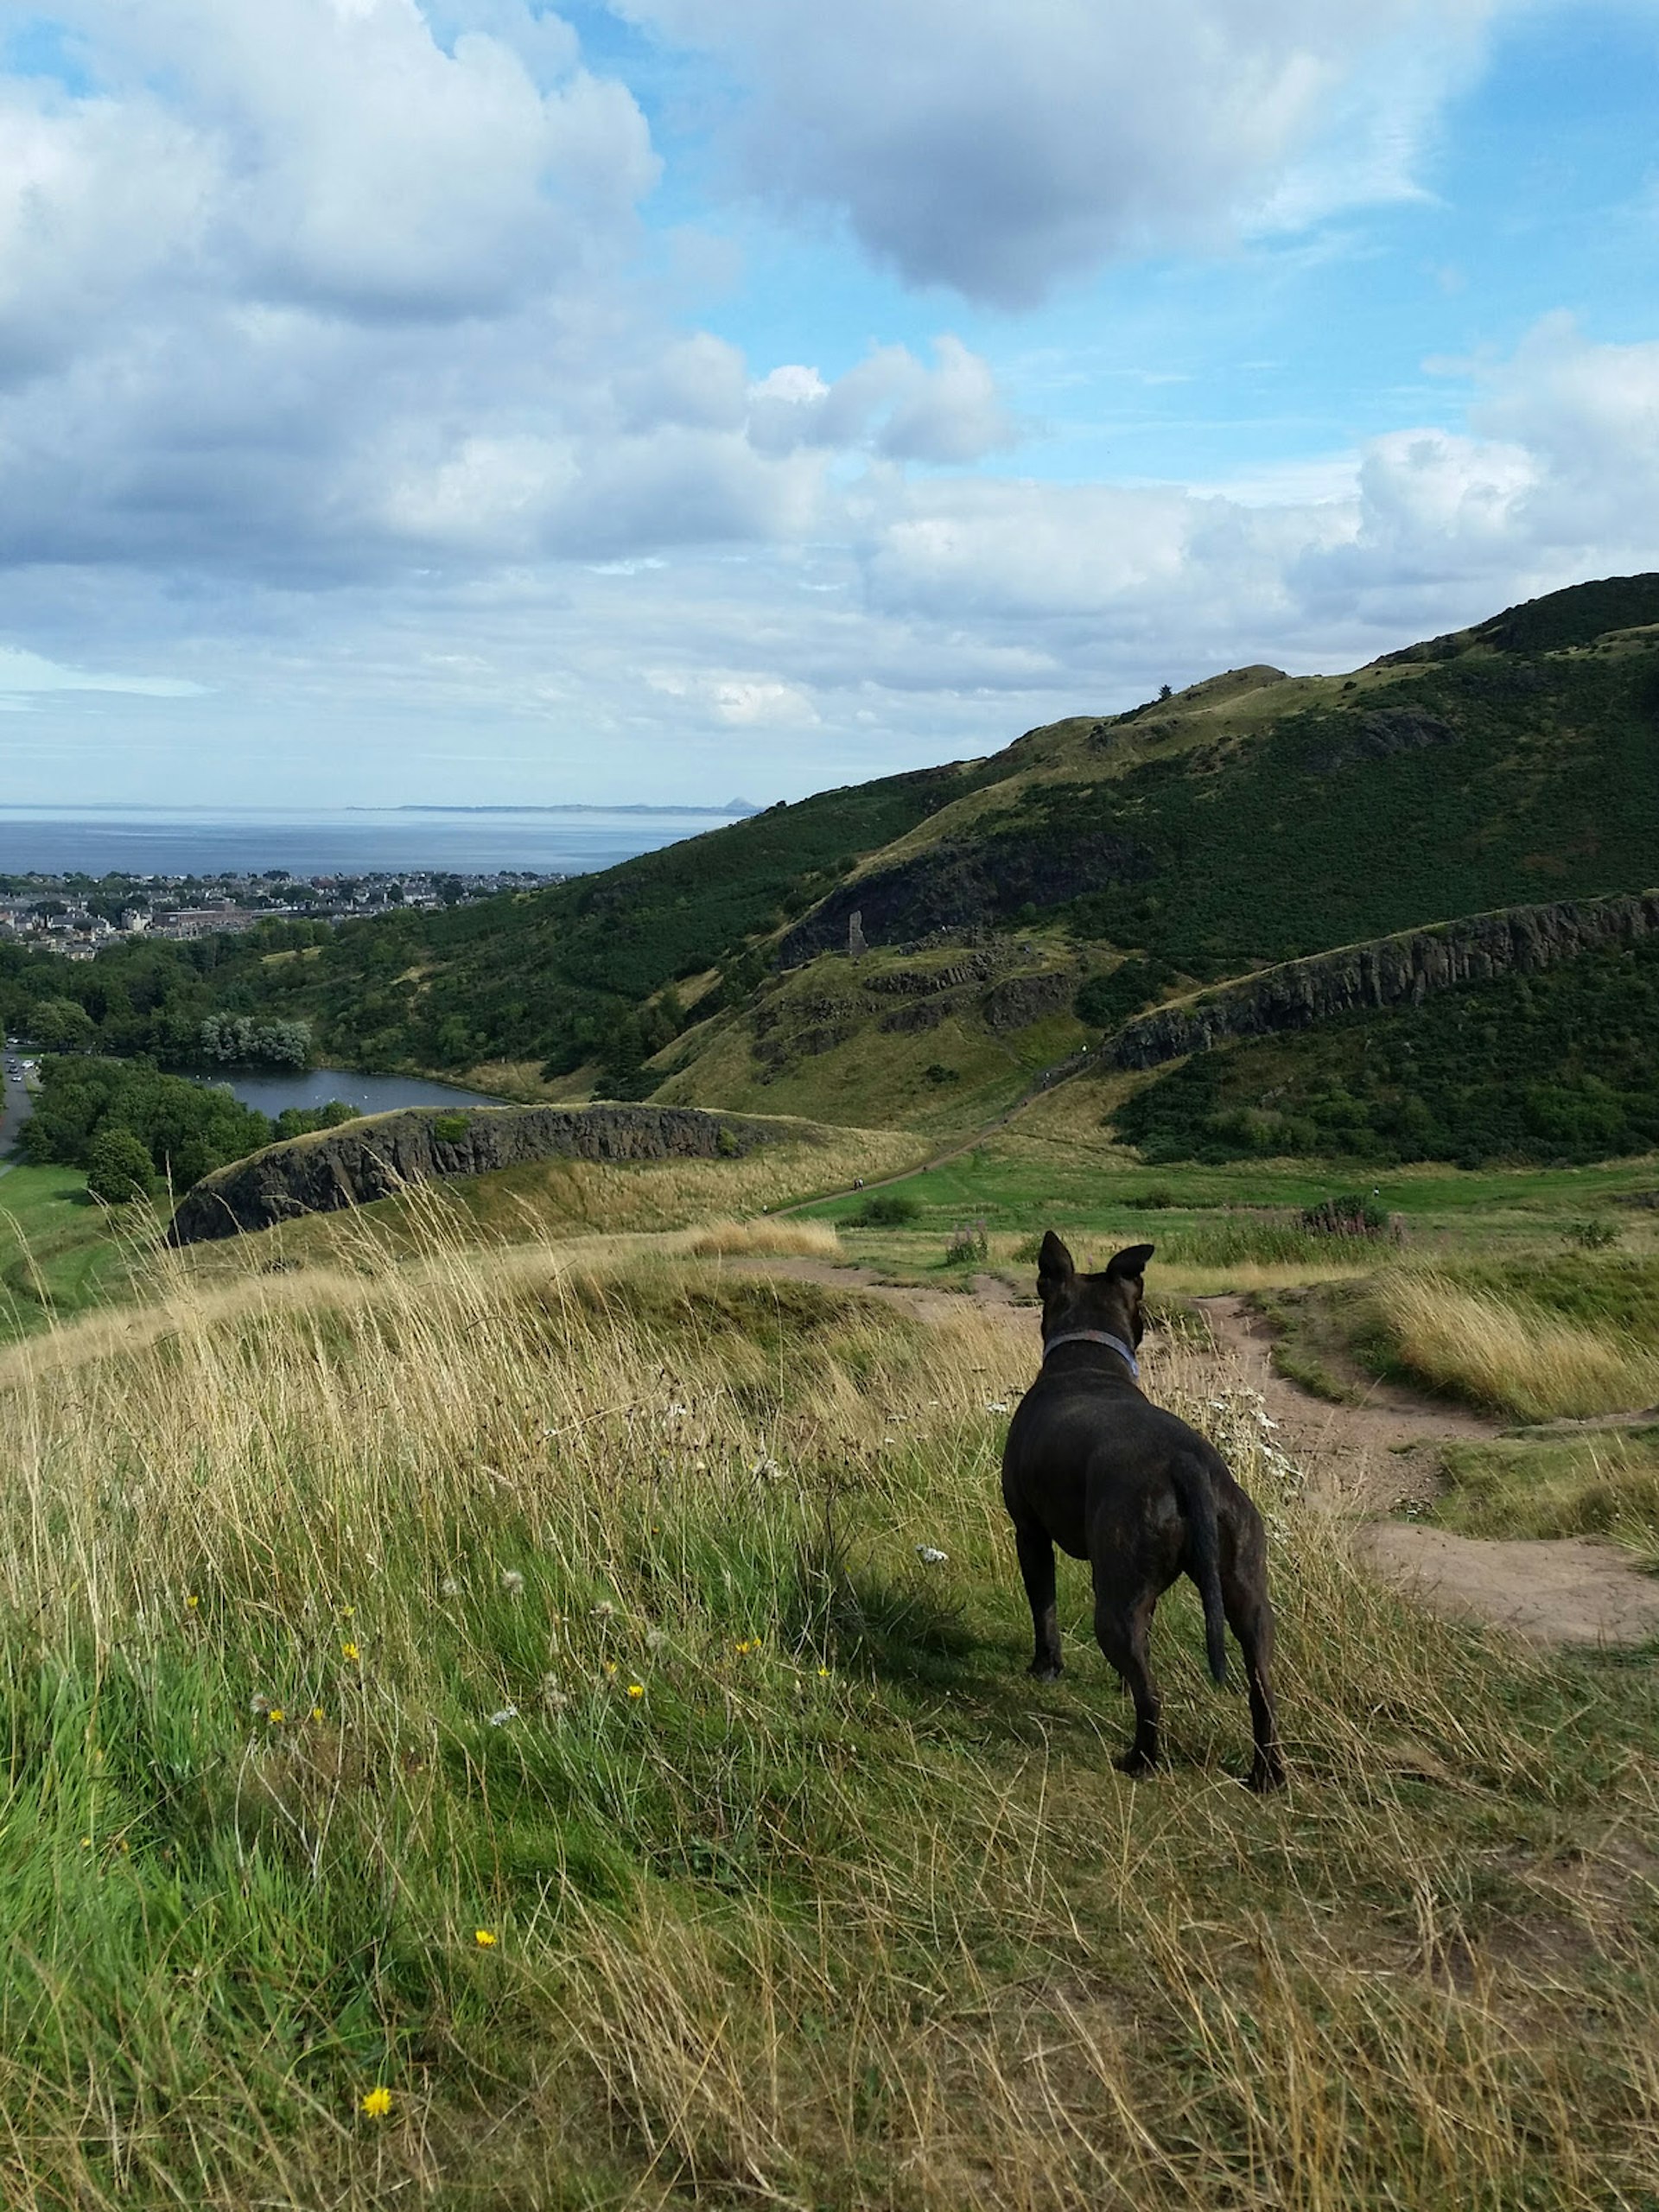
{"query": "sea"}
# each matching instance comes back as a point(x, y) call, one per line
point(358, 841)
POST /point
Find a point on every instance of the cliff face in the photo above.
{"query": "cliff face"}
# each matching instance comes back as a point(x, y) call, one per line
point(967, 887)
point(376, 1157)
point(1397, 970)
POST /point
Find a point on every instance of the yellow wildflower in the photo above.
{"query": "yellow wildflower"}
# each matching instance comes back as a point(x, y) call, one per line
point(346, 1612)
point(275, 1713)
point(348, 1651)
point(823, 1673)
point(484, 1939)
point(192, 1602)
point(316, 1713)
point(377, 2102)
point(636, 1689)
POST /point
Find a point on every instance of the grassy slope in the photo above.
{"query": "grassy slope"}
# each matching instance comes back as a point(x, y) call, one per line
point(839, 1911)
point(1267, 818)
point(59, 1252)
point(1562, 1065)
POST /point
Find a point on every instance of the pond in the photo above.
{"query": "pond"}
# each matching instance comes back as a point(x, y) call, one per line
point(272, 1088)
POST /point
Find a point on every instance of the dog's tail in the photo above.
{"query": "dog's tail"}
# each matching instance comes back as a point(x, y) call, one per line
point(1204, 1560)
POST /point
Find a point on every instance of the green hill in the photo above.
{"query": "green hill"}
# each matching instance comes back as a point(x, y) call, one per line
point(1093, 868)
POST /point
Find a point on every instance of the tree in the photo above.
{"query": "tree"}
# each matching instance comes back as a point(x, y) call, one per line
point(62, 1025)
point(118, 1168)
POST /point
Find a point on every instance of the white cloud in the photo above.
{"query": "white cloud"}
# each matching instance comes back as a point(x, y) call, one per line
point(23, 673)
point(1000, 145)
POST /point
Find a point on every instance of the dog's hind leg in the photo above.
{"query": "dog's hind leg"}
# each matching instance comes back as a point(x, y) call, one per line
point(1037, 1566)
point(1124, 1634)
point(1244, 1593)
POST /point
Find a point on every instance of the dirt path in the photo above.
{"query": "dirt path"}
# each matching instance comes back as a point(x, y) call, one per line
point(1370, 1460)
point(1380, 1455)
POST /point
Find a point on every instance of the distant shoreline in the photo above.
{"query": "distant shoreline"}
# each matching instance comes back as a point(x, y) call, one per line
point(734, 813)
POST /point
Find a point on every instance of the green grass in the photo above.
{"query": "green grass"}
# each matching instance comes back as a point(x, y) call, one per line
point(59, 1252)
point(841, 1912)
point(1604, 1483)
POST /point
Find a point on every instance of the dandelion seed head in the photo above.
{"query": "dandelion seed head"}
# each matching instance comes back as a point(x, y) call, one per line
point(500, 1719)
point(450, 1587)
point(513, 1582)
point(259, 1702)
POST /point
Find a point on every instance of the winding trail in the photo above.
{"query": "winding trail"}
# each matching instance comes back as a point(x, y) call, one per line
point(1364, 1462)
point(1377, 1457)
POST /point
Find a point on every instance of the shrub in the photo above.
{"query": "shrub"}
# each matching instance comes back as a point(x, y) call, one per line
point(450, 1128)
point(886, 1210)
point(936, 1072)
point(967, 1244)
point(118, 1168)
point(1593, 1236)
point(1349, 1215)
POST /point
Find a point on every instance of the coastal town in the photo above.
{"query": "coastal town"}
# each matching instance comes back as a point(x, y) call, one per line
point(75, 915)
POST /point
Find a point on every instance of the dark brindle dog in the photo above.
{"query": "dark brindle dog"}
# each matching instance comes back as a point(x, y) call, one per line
point(1091, 1466)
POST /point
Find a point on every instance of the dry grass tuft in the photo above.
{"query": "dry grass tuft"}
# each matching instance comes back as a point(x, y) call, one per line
point(1517, 1359)
point(816, 1240)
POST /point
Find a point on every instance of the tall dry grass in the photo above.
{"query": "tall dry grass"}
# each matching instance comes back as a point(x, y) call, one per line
point(1515, 1358)
point(838, 1910)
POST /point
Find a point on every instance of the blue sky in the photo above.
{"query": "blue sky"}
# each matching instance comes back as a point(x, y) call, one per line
point(474, 402)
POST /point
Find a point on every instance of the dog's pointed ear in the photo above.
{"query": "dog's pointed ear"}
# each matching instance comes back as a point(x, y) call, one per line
point(1054, 1264)
point(1128, 1266)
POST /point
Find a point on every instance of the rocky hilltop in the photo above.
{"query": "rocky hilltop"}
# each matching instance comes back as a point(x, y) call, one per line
point(378, 1157)
point(1398, 970)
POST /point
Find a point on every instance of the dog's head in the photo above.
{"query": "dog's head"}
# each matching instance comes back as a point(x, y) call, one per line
point(1110, 1300)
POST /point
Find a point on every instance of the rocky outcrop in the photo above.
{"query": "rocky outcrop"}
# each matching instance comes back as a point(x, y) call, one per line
point(1022, 999)
point(923, 982)
point(1400, 970)
point(380, 1156)
point(966, 886)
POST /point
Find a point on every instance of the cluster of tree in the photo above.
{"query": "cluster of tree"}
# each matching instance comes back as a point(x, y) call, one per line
point(134, 1129)
point(238, 1040)
point(1558, 1066)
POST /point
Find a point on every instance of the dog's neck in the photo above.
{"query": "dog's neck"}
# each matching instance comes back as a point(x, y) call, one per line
point(1124, 1351)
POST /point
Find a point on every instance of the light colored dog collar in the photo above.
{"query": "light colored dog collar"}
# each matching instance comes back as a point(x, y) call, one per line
point(1125, 1352)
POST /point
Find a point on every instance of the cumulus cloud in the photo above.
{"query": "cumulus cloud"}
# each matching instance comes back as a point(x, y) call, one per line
point(1556, 479)
point(1000, 145)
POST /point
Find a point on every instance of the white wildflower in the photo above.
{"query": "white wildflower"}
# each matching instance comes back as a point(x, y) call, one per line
point(513, 1582)
point(996, 1405)
point(929, 1555)
point(604, 1610)
point(450, 1586)
point(500, 1719)
point(767, 1469)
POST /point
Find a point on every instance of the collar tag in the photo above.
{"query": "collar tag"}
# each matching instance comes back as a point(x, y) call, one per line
point(1125, 1352)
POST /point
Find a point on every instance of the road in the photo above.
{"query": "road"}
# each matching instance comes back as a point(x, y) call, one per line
point(14, 1108)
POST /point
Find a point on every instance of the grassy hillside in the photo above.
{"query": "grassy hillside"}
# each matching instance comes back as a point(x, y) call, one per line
point(1251, 819)
point(1561, 1065)
point(482, 1732)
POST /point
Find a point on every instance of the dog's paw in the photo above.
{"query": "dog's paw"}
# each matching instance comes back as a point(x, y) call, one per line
point(1045, 1670)
point(1135, 1763)
point(1266, 1774)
